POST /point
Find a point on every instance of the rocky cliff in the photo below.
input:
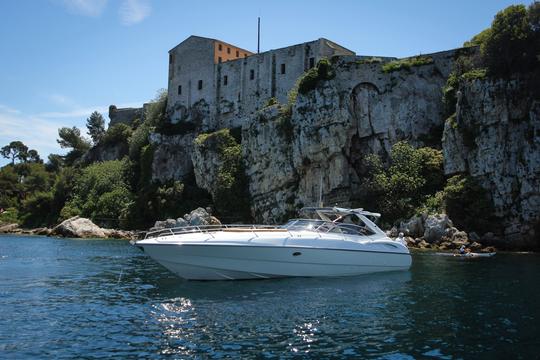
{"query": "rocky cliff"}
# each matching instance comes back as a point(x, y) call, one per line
point(322, 138)
point(362, 110)
point(495, 138)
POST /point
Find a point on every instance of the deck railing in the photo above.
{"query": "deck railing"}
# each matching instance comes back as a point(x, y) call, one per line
point(318, 226)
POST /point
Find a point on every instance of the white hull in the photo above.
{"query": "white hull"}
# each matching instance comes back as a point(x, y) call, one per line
point(232, 262)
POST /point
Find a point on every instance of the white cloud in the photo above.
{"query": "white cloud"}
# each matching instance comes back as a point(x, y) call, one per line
point(9, 110)
point(134, 11)
point(92, 8)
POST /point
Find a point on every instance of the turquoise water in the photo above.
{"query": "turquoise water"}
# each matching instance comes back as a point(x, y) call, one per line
point(65, 298)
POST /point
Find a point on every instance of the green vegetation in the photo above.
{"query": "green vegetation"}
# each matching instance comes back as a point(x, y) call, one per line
point(96, 127)
point(271, 102)
point(232, 182)
point(406, 64)
point(400, 189)
point(414, 182)
point(117, 134)
point(311, 78)
point(469, 205)
point(371, 60)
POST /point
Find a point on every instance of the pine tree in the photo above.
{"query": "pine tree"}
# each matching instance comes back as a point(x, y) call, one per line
point(96, 126)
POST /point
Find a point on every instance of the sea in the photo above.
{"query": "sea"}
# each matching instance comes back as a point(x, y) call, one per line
point(94, 299)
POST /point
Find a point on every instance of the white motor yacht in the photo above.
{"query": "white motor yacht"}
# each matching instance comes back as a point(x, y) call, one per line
point(329, 242)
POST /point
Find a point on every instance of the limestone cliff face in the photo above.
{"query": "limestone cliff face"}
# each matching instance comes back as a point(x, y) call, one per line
point(172, 156)
point(364, 110)
point(361, 111)
point(495, 138)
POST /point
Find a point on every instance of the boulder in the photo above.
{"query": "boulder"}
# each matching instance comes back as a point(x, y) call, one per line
point(196, 217)
point(9, 228)
point(435, 227)
point(413, 227)
point(475, 246)
point(423, 244)
point(201, 216)
point(78, 227)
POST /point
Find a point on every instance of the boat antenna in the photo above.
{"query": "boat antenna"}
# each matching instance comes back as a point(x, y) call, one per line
point(258, 35)
point(320, 190)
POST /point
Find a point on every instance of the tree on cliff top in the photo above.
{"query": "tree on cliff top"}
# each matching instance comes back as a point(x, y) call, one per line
point(512, 43)
point(70, 138)
point(16, 150)
point(96, 126)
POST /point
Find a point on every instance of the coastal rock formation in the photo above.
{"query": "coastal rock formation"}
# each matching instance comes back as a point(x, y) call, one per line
point(362, 110)
point(172, 156)
point(495, 138)
point(78, 227)
point(196, 217)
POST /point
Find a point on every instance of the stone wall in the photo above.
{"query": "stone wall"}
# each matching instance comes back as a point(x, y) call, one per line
point(237, 88)
point(124, 115)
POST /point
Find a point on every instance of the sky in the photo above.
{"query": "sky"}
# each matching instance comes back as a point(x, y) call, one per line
point(62, 59)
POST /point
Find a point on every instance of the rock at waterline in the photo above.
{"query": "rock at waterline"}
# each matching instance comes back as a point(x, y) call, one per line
point(79, 227)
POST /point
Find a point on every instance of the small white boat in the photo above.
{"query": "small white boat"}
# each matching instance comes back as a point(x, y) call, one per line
point(341, 242)
point(468, 255)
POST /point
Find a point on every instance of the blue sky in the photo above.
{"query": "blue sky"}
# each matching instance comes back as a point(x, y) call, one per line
point(62, 59)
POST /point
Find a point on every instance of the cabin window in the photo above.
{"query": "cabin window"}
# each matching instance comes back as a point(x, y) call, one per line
point(200, 85)
point(228, 50)
point(311, 62)
point(179, 89)
point(219, 47)
point(225, 80)
point(237, 53)
point(283, 68)
point(251, 74)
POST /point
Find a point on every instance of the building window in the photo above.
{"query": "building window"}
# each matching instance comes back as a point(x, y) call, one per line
point(219, 59)
point(245, 55)
point(311, 62)
point(237, 53)
point(200, 85)
point(251, 74)
point(225, 79)
point(228, 50)
point(219, 47)
point(179, 89)
point(283, 68)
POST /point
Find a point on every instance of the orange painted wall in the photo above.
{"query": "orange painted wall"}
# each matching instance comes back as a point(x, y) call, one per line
point(228, 52)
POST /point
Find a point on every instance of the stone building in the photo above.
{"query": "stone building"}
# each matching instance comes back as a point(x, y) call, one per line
point(227, 83)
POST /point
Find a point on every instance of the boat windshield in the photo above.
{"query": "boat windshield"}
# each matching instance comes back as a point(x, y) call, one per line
point(328, 227)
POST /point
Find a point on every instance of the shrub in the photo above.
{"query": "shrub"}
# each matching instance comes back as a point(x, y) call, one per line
point(371, 60)
point(117, 134)
point(513, 43)
point(101, 184)
point(271, 102)
point(406, 64)
point(310, 79)
point(469, 205)
point(10, 216)
point(37, 210)
point(232, 183)
point(401, 188)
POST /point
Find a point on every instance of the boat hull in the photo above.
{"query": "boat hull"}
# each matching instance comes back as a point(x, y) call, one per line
point(234, 262)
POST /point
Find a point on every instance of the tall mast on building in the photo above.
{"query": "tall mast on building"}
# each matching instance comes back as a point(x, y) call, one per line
point(258, 34)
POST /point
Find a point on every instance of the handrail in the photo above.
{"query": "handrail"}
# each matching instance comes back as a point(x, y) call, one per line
point(321, 226)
